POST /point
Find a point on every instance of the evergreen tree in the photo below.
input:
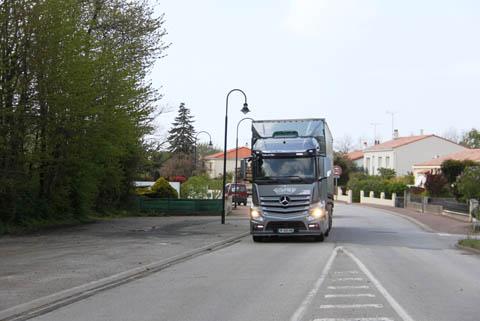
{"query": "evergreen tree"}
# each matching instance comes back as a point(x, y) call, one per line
point(181, 136)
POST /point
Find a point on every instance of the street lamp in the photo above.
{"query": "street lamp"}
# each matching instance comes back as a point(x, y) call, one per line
point(244, 110)
point(195, 146)
point(236, 156)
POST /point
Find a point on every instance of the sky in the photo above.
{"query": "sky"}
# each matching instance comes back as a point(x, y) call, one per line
point(348, 61)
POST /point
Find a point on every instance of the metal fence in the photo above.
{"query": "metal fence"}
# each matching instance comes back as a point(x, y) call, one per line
point(180, 206)
point(450, 204)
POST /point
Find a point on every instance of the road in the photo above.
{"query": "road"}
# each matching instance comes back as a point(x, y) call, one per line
point(374, 267)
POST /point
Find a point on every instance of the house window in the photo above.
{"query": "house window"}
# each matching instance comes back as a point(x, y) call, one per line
point(387, 162)
point(368, 163)
point(379, 162)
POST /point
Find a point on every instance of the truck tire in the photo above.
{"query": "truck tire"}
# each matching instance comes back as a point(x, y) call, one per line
point(319, 238)
point(257, 238)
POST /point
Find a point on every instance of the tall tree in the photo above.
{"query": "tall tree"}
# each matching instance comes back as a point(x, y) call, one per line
point(471, 139)
point(181, 136)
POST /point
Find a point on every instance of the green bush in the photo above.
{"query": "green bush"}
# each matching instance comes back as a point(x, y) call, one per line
point(387, 173)
point(451, 168)
point(197, 187)
point(162, 189)
point(362, 182)
point(468, 183)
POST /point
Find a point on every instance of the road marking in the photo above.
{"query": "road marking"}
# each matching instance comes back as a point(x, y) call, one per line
point(347, 279)
point(346, 272)
point(350, 306)
point(341, 287)
point(395, 305)
point(355, 319)
point(443, 234)
point(359, 295)
point(313, 292)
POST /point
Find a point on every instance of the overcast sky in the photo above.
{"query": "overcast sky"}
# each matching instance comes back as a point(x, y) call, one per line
point(349, 61)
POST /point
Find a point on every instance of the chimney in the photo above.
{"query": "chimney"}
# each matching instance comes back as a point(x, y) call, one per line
point(395, 134)
point(365, 145)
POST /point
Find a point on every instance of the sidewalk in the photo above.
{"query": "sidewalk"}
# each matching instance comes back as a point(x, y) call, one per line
point(42, 264)
point(438, 223)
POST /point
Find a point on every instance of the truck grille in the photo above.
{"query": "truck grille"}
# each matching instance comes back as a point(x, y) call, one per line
point(297, 225)
point(288, 204)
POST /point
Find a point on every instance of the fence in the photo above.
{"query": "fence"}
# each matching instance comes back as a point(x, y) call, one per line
point(182, 206)
point(444, 206)
point(344, 198)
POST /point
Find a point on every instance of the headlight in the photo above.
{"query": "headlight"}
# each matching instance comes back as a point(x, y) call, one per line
point(256, 214)
point(318, 211)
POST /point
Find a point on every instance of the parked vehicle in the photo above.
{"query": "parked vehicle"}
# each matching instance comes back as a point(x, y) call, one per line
point(238, 192)
point(292, 177)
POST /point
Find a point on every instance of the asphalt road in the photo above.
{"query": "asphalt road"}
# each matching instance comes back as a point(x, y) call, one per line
point(374, 267)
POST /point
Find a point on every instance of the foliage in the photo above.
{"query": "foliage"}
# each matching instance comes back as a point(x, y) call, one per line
point(347, 165)
point(182, 135)
point(471, 139)
point(387, 173)
point(162, 189)
point(74, 104)
point(363, 182)
point(178, 165)
point(197, 187)
point(436, 185)
point(469, 183)
point(451, 168)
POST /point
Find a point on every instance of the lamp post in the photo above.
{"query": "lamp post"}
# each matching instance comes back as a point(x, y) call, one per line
point(244, 110)
point(236, 156)
point(195, 146)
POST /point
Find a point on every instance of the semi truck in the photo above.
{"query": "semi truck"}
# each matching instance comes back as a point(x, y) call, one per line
point(292, 179)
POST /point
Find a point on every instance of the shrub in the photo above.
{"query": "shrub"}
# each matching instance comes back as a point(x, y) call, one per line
point(387, 173)
point(362, 182)
point(436, 184)
point(197, 187)
point(451, 168)
point(162, 189)
point(468, 183)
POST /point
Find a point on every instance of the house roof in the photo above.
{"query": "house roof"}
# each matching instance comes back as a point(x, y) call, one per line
point(243, 152)
point(356, 154)
point(395, 143)
point(467, 154)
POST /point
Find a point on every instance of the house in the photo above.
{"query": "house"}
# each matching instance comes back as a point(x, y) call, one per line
point(356, 157)
point(401, 153)
point(434, 165)
point(214, 162)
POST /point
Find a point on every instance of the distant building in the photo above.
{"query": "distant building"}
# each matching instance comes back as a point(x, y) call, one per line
point(214, 162)
point(356, 157)
point(402, 153)
point(434, 165)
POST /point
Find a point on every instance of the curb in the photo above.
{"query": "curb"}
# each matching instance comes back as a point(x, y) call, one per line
point(57, 300)
point(467, 248)
point(423, 226)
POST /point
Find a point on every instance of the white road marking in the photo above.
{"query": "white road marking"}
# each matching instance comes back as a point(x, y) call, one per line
point(355, 319)
point(443, 234)
point(346, 272)
point(359, 295)
point(395, 305)
point(350, 306)
point(342, 287)
point(313, 292)
point(347, 279)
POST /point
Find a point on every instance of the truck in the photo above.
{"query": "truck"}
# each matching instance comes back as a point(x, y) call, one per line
point(292, 179)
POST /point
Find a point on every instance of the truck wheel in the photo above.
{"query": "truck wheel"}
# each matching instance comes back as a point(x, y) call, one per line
point(319, 238)
point(257, 238)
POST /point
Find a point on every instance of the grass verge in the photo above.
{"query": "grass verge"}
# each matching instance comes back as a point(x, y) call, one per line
point(474, 244)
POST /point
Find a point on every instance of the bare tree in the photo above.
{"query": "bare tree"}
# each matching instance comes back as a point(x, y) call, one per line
point(452, 134)
point(344, 144)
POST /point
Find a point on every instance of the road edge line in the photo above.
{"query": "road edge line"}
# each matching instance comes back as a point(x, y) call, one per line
point(395, 305)
point(297, 316)
point(62, 298)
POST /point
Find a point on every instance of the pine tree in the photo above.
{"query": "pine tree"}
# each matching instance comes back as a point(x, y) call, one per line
point(181, 136)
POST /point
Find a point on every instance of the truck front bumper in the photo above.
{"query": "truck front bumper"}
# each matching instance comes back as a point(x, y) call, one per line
point(302, 227)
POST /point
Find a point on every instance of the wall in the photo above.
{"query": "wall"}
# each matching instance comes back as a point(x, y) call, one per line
point(421, 151)
point(217, 166)
point(344, 198)
point(374, 155)
point(377, 201)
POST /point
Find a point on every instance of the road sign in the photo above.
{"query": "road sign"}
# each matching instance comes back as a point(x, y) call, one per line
point(337, 171)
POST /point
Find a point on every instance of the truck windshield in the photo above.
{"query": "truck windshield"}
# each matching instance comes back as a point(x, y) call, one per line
point(292, 169)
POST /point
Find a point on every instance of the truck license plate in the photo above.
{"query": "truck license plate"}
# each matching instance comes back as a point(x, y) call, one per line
point(286, 230)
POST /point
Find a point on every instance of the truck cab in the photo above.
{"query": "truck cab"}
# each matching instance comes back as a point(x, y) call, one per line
point(292, 180)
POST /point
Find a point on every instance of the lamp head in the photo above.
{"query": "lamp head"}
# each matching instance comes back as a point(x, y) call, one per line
point(245, 109)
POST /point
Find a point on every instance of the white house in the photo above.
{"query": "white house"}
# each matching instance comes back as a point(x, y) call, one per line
point(356, 157)
point(402, 153)
point(214, 162)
